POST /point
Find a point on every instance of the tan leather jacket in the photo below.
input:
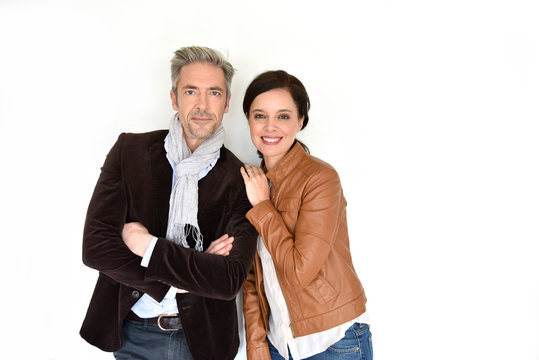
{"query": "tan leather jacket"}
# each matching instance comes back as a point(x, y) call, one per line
point(304, 229)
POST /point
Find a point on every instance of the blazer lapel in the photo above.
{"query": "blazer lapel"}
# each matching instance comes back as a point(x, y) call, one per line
point(211, 182)
point(161, 186)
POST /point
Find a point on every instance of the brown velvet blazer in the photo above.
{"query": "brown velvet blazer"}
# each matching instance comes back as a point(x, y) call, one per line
point(135, 185)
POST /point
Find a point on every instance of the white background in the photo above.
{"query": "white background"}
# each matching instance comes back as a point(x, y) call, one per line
point(428, 110)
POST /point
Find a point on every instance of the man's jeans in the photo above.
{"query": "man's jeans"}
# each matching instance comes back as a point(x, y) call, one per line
point(355, 345)
point(147, 342)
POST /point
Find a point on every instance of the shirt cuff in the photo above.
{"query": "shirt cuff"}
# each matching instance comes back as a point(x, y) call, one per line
point(148, 254)
point(171, 294)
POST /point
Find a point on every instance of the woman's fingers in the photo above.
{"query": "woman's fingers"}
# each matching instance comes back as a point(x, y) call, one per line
point(250, 171)
point(256, 183)
point(244, 174)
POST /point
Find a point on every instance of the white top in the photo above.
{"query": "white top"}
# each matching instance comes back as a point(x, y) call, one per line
point(280, 332)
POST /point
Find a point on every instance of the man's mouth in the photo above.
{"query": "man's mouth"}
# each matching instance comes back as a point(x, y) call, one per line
point(201, 116)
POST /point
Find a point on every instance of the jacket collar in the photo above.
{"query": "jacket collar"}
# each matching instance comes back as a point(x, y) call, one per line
point(287, 164)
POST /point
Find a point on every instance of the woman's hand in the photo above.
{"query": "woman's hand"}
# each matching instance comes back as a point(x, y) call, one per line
point(136, 237)
point(256, 184)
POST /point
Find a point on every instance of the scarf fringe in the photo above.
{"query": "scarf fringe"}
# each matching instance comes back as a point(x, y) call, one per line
point(184, 231)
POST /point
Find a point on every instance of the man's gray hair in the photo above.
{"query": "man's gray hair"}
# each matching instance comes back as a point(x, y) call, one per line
point(193, 54)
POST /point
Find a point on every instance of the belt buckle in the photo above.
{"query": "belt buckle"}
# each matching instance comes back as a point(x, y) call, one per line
point(165, 316)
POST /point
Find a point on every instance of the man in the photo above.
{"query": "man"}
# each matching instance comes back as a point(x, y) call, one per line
point(175, 198)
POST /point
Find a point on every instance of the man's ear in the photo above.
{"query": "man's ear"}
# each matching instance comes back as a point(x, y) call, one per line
point(174, 100)
point(227, 102)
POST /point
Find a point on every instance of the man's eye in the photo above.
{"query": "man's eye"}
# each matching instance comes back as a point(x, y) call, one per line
point(190, 92)
point(215, 93)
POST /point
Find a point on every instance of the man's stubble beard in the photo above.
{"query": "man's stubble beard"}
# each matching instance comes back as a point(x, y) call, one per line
point(196, 132)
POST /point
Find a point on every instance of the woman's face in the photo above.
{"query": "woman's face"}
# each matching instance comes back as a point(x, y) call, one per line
point(274, 123)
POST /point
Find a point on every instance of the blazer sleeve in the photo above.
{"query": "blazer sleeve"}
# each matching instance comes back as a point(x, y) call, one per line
point(103, 248)
point(204, 274)
point(300, 256)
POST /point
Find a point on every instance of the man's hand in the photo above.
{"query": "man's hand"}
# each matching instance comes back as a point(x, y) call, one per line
point(136, 237)
point(221, 246)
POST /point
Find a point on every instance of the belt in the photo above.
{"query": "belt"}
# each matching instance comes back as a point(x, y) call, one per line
point(165, 322)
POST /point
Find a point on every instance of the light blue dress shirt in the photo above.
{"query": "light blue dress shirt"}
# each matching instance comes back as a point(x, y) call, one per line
point(146, 306)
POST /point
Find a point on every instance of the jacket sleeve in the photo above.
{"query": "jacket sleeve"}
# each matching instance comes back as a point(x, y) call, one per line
point(103, 248)
point(299, 256)
point(255, 330)
point(204, 274)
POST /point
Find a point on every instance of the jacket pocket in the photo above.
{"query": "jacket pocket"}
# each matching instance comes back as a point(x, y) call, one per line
point(323, 292)
point(289, 210)
point(288, 204)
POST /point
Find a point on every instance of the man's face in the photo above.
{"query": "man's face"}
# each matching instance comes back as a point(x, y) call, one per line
point(201, 101)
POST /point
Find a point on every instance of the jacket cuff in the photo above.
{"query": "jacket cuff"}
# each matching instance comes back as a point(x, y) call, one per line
point(259, 211)
point(259, 353)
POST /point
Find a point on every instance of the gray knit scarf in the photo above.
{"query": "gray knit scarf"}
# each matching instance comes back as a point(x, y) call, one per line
point(183, 204)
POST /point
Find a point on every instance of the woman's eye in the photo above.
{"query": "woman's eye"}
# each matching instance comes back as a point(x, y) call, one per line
point(284, 117)
point(259, 116)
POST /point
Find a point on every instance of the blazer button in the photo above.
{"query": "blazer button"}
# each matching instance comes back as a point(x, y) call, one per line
point(135, 294)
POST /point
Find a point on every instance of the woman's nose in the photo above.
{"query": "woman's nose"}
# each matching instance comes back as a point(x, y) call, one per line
point(270, 124)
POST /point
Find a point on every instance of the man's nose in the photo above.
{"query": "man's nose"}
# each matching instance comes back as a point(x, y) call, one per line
point(202, 102)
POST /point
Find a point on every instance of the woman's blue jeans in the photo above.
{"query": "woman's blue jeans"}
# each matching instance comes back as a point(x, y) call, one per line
point(355, 345)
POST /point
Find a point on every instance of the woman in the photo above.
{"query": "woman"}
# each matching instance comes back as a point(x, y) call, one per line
point(302, 298)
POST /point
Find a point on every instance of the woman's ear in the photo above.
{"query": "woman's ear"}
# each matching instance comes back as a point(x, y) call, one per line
point(300, 122)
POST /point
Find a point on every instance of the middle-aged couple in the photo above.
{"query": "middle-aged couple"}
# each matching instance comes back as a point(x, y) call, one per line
point(177, 225)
